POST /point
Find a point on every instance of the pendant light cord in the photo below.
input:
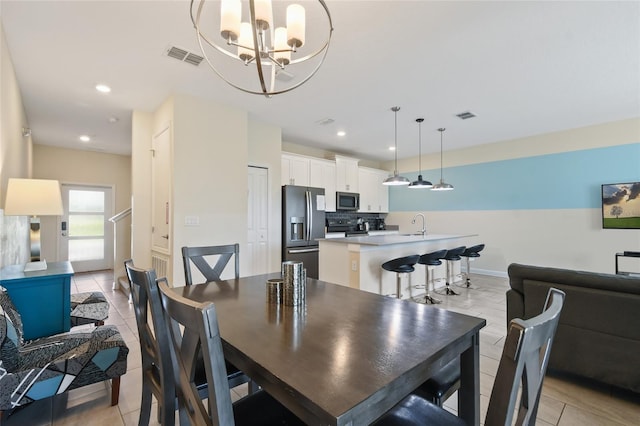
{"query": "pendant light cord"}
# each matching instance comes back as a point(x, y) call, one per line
point(395, 138)
point(419, 120)
point(441, 130)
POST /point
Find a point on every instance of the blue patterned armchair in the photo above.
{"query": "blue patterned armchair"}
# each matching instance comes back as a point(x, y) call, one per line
point(52, 365)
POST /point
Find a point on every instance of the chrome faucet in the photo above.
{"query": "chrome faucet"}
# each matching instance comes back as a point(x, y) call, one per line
point(423, 231)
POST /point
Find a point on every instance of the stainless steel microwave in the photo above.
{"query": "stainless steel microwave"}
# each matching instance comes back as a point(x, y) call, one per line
point(347, 201)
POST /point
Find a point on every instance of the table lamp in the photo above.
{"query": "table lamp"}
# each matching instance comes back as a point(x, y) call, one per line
point(33, 197)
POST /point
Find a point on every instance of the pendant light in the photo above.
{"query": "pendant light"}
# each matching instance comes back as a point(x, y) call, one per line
point(441, 186)
point(420, 183)
point(396, 180)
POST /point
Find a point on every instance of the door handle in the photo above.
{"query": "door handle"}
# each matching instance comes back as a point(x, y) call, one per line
point(304, 251)
point(166, 237)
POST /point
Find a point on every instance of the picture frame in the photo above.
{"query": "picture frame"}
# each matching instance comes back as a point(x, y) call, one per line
point(621, 205)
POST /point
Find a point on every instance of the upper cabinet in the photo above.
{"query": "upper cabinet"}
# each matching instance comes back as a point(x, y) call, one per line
point(295, 170)
point(341, 175)
point(346, 174)
point(374, 196)
point(322, 174)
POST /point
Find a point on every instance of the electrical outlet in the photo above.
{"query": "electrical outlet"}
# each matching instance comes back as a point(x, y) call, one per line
point(354, 265)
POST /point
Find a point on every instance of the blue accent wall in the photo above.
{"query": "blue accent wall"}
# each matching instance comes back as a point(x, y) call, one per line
point(568, 180)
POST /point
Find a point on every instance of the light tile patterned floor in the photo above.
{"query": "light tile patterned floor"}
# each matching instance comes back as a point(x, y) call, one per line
point(564, 402)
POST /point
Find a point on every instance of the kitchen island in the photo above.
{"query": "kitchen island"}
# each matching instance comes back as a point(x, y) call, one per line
point(356, 261)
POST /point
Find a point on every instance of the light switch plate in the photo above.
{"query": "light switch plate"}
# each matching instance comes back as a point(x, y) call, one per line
point(191, 221)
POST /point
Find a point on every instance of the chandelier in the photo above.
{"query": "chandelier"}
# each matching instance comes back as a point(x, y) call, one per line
point(258, 41)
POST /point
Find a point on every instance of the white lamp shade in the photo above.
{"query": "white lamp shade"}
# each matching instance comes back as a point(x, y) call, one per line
point(230, 17)
point(264, 13)
point(295, 25)
point(246, 49)
point(282, 53)
point(33, 197)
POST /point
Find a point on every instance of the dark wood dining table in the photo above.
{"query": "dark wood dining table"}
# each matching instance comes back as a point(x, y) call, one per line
point(346, 356)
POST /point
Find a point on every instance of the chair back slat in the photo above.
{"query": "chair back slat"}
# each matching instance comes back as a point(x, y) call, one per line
point(523, 365)
point(201, 332)
point(154, 342)
point(197, 256)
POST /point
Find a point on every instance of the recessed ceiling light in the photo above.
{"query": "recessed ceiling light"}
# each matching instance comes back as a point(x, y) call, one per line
point(84, 138)
point(392, 148)
point(103, 88)
point(341, 133)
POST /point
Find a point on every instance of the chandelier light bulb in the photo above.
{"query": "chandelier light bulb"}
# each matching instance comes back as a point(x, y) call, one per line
point(245, 43)
point(264, 14)
point(230, 18)
point(282, 52)
point(295, 25)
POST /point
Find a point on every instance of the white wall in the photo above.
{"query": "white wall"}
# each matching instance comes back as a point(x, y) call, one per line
point(15, 159)
point(566, 238)
point(83, 167)
point(210, 157)
point(264, 151)
point(141, 132)
point(597, 136)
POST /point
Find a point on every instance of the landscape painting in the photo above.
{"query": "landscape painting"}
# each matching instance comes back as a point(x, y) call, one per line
point(621, 206)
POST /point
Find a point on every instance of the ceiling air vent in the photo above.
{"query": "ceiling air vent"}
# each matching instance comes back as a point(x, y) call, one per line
point(184, 55)
point(325, 121)
point(465, 115)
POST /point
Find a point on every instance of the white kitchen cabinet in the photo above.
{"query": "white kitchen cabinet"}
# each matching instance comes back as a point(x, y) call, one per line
point(347, 174)
point(322, 174)
point(374, 196)
point(383, 192)
point(295, 170)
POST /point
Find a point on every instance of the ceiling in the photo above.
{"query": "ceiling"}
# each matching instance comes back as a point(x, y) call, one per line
point(523, 68)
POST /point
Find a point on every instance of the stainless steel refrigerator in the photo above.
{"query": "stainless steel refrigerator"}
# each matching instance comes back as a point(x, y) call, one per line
point(302, 224)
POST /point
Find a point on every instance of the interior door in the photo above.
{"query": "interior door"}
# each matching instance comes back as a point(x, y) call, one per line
point(258, 218)
point(161, 192)
point(86, 235)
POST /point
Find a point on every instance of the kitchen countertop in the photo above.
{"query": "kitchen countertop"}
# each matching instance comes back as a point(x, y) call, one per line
point(384, 240)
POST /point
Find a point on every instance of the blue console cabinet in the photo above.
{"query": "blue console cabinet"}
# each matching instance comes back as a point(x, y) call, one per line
point(43, 298)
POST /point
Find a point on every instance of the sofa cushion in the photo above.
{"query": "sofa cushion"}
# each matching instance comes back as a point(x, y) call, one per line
point(598, 335)
point(615, 283)
point(593, 309)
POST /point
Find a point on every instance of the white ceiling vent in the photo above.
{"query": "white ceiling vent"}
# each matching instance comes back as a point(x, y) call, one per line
point(325, 121)
point(184, 55)
point(465, 115)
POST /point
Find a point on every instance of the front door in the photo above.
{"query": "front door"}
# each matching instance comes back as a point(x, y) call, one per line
point(86, 235)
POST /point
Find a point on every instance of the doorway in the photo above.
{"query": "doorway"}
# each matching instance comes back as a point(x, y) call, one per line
point(86, 236)
point(258, 221)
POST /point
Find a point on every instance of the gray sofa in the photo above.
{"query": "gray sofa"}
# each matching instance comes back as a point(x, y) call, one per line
point(598, 335)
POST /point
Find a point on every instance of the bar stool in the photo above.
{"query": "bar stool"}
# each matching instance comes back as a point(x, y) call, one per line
point(468, 253)
point(401, 265)
point(431, 259)
point(453, 255)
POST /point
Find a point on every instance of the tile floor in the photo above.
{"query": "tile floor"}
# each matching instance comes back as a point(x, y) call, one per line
point(564, 401)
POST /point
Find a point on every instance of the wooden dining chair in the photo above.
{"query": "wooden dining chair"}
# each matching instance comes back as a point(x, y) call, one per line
point(201, 332)
point(198, 255)
point(522, 367)
point(157, 366)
